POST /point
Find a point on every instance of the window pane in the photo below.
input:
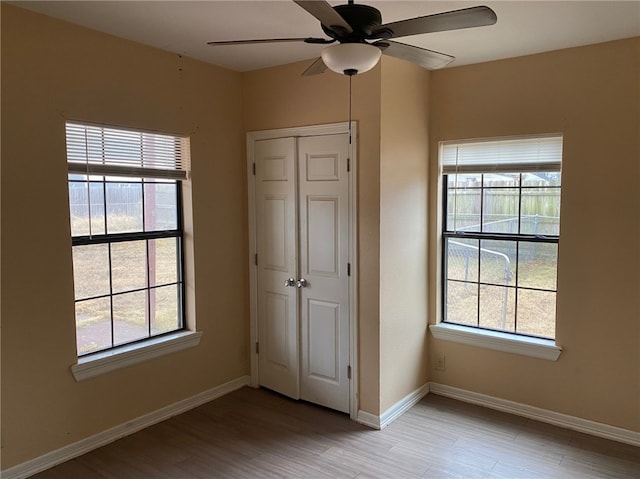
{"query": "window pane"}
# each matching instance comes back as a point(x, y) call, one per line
point(91, 270)
point(536, 313)
point(163, 261)
point(164, 309)
point(129, 317)
point(500, 210)
point(462, 303)
point(549, 178)
point(497, 308)
point(128, 265)
point(79, 208)
point(462, 259)
point(160, 206)
point(124, 207)
point(463, 202)
point(97, 207)
point(504, 180)
point(93, 325)
point(537, 265)
point(497, 262)
point(540, 211)
point(467, 180)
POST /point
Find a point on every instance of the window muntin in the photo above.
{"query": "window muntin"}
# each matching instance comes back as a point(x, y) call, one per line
point(500, 245)
point(127, 239)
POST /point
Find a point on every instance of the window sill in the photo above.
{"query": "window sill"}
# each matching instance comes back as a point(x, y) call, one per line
point(505, 342)
point(106, 361)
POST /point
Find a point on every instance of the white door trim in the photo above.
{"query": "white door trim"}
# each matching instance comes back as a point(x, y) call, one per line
point(316, 130)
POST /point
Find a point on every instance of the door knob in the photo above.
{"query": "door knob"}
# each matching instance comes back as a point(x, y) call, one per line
point(302, 283)
point(290, 283)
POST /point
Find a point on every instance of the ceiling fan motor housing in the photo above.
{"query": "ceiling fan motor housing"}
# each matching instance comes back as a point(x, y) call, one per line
point(363, 19)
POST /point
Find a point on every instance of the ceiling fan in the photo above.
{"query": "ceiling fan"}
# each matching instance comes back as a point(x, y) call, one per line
point(362, 36)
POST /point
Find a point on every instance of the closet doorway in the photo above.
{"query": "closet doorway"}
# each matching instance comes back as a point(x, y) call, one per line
point(303, 266)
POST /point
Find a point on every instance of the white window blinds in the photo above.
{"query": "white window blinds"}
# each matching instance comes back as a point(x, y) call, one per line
point(522, 154)
point(102, 150)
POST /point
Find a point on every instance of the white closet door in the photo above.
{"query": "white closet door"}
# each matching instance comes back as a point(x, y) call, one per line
point(324, 254)
point(302, 237)
point(277, 250)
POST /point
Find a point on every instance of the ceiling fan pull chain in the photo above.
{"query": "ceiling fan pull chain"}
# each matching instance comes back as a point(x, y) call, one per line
point(350, 80)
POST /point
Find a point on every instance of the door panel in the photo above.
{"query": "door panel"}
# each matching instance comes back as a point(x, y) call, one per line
point(324, 253)
point(276, 330)
point(276, 231)
point(322, 241)
point(323, 347)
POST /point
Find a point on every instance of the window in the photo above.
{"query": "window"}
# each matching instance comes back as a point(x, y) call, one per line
point(127, 234)
point(500, 232)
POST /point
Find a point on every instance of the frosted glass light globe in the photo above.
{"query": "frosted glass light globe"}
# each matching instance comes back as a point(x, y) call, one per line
point(351, 58)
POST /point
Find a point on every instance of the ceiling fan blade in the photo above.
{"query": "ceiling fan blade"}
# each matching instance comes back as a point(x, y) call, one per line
point(440, 22)
point(315, 68)
point(420, 56)
point(272, 40)
point(326, 14)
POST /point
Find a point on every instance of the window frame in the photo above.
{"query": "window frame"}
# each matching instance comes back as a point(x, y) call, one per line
point(516, 238)
point(150, 168)
point(505, 341)
point(113, 238)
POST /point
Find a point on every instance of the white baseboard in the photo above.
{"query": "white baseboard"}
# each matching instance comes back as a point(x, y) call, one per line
point(586, 426)
point(395, 411)
point(103, 438)
point(402, 406)
point(368, 419)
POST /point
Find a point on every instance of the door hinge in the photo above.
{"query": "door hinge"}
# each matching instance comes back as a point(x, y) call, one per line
point(255, 259)
point(254, 169)
point(257, 347)
point(348, 165)
point(349, 372)
point(348, 269)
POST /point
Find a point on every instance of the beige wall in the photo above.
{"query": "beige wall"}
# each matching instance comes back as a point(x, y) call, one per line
point(53, 71)
point(403, 230)
point(279, 98)
point(592, 96)
point(390, 106)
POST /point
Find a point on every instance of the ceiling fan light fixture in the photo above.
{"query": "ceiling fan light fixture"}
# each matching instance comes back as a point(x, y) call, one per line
point(351, 58)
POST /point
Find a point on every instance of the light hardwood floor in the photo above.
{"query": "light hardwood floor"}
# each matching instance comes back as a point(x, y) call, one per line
point(258, 434)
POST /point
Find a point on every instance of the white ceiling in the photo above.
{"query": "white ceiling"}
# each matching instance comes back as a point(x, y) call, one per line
point(184, 27)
